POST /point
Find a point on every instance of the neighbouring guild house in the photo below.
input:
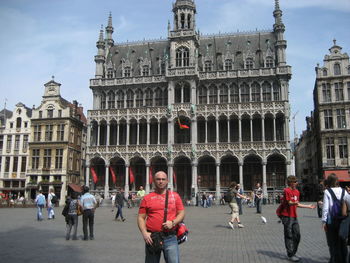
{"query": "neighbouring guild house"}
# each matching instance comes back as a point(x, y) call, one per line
point(56, 145)
point(207, 109)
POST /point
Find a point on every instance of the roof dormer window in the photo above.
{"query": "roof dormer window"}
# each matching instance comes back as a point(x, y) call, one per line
point(249, 63)
point(337, 70)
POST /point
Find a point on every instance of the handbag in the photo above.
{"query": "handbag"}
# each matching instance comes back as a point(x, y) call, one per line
point(181, 233)
point(80, 210)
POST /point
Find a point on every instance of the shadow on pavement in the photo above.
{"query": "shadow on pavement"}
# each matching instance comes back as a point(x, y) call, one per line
point(283, 256)
point(37, 245)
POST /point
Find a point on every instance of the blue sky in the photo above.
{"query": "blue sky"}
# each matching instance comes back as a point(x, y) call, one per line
point(41, 38)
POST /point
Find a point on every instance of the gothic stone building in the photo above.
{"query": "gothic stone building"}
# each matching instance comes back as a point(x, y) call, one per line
point(56, 145)
point(332, 114)
point(231, 90)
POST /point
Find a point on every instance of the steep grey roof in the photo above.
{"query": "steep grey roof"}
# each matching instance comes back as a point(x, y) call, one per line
point(216, 48)
point(5, 114)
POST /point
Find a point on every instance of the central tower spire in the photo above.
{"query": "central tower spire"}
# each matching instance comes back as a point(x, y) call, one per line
point(184, 15)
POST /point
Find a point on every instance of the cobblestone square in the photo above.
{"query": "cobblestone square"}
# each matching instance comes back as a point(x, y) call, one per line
point(22, 238)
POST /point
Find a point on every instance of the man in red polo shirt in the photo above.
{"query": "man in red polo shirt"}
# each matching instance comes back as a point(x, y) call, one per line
point(287, 211)
point(151, 216)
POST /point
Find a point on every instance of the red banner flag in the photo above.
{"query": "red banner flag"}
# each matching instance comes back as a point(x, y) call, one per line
point(150, 175)
point(94, 175)
point(182, 126)
point(131, 175)
point(174, 177)
point(114, 177)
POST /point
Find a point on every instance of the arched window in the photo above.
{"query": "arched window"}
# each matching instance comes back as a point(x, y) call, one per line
point(182, 21)
point(276, 92)
point(145, 71)
point(165, 97)
point(256, 92)
point(129, 99)
point(249, 63)
point(269, 62)
point(189, 21)
point(228, 64)
point(159, 97)
point(202, 95)
point(266, 91)
point(213, 94)
point(18, 122)
point(223, 94)
point(234, 93)
point(244, 92)
point(325, 73)
point(186, 93)
point(103, 101)
point(120, 99)
point(149, 98)
point(127, 72)
point(139, 98)
point(111, 100)
point(178, 93)
point(337, 70)
point(182, 57)
point(207, 66)
point(110, 73)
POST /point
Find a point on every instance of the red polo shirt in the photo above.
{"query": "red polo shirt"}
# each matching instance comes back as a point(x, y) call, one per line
point(286, 209)
point(153, 206)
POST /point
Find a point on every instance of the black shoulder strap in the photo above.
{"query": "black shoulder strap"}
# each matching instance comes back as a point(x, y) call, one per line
point(166, 206)
point(333, 194)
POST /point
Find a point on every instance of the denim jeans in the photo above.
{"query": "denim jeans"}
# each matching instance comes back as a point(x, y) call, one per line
point(258, 203)
point(170, 252)
point(50, 212)
point(40, 212)
point(119, 212)
point(291, 234)
point(72, 222)
point(88, 218)
point(239, 203)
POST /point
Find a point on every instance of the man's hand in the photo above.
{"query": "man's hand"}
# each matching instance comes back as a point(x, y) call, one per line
point(167, 225)
point(147, 238)
point(312, 206)
point(324, 227)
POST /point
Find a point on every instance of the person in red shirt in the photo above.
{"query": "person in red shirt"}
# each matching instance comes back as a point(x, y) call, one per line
point(151, 216)
point(287, 211)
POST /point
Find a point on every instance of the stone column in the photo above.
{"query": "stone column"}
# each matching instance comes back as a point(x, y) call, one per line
point(118, 133)
point(263, 129)
point(286, 130)
point(108, 134)
point(127, 133)
point(194, 138)
point(138, 133)
point(107, 181)
point(170, 176)
point(193, 93)
point(288, 163)
point(182, 95)
point(218, 193)
point(251, 128)
point(147, 178)
point(158, 139)
point(240, 130)
point(98, 134)
point(127, 187)
point(206, 130)
point(170, 132)
point(240, 165)
point(87, 175)
point(274, 128)
point(194, 182)
point(88, 139)
point(217, 130)
point(148, 132)
point(264, 186)
point(228, 130)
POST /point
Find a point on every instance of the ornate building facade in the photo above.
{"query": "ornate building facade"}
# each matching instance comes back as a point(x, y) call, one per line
point(14, 150)
point(56, 145)
point(230, 90)
point(332, 114)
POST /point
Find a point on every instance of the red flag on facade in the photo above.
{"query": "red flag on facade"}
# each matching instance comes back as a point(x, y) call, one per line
point(114, 177)
point(94, 175)
point(131, 176)
point(174, 177)
point(182, 126)
point(150, 175)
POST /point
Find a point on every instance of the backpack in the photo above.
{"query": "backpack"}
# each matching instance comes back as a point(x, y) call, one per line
point(335, 212)
point(54, 199)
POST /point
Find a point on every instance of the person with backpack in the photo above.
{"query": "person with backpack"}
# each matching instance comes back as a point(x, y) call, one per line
point(332, 217)
point(51, 202)
point(72, 205)
point(287, 212)
point(40, 204)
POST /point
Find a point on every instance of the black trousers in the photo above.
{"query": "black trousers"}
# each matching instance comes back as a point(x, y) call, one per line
point(337, 247)
point(291, 234)
point(239, 203)
point(88, 218)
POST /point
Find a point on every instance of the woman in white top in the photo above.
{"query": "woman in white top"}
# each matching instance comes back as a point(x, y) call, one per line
point(337, 247)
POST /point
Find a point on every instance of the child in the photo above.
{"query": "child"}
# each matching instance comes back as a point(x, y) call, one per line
point(287, 211)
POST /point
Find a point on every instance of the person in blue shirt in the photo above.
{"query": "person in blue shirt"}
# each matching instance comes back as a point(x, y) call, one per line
point(88, 202)
point(40, 201)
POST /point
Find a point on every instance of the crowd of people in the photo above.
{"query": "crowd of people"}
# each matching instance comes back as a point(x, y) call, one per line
point(333, 207)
